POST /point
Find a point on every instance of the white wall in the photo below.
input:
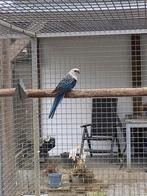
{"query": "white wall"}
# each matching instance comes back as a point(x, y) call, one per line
point(104, 62)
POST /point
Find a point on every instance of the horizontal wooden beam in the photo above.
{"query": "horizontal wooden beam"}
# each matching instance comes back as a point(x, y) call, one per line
point(83, 93)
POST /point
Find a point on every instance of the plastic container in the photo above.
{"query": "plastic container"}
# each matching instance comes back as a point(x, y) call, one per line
point(54, 180)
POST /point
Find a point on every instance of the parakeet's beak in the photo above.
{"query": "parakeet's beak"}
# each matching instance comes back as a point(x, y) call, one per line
point(78, 71)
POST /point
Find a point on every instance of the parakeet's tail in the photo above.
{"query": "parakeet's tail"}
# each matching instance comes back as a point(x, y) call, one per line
point(57, 100)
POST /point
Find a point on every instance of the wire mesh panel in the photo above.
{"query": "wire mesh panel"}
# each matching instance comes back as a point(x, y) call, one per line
point(17, 152)
point(45, 16)
point(7, 126)
point(104, 62)
point(93, 145)
point(66, 147)
point(23, 115)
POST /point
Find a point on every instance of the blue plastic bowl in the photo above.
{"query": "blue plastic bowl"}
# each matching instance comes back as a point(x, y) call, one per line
point(54, 180)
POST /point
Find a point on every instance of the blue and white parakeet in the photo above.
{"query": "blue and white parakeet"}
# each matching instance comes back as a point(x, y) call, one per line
point(65, 85)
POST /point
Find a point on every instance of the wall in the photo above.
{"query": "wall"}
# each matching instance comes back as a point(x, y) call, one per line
point(104, 62)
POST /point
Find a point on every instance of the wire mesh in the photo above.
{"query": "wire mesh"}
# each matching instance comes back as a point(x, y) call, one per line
point(16, 121)
point(45, 16)
point(115, 163)
point(104, 62)
point(23, 115)
point(97, 146)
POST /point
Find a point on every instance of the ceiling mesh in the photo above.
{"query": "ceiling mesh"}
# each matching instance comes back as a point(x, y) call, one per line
point(55, 16)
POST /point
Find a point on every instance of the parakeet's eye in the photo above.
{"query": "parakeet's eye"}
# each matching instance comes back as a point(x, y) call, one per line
point(76, 71)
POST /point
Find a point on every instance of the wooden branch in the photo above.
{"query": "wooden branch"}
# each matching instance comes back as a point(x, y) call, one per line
point(84, 93)
point(7, 92)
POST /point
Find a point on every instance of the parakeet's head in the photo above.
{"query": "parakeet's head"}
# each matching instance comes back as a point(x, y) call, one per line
point(74, 72)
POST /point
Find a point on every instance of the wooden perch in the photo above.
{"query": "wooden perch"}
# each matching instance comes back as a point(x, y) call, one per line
point(84, 93)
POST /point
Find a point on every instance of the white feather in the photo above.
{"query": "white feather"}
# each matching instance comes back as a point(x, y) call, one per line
point(74, 73)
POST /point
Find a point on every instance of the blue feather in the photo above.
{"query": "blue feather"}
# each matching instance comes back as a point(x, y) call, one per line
point(57, 100)
point(67, 83)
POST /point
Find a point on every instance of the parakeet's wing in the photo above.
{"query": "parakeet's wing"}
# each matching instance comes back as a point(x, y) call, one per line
point(66, 84)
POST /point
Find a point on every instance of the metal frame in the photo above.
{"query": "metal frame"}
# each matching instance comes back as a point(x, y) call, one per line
point(92, 33)
point(36, 134)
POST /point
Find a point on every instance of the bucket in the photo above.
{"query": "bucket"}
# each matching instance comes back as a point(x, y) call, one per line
point(54, 180)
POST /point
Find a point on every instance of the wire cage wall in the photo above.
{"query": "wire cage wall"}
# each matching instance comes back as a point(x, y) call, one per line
point(97, 138)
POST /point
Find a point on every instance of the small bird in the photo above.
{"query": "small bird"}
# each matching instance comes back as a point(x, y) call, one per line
point(65, 85)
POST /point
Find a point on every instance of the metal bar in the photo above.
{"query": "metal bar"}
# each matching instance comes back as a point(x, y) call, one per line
point(1, 154)
point(128, 140)
point(18, 29)
point(92, 33)
point(1, 149)
point(36, 133)
point(13, 36)
point(105, 92)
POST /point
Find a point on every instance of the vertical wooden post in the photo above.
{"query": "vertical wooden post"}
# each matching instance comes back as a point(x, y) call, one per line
point(7, 124)
point(136, 71)
point(36, 134)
